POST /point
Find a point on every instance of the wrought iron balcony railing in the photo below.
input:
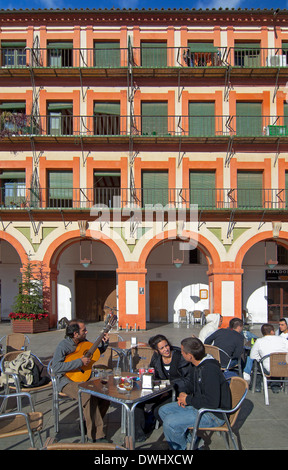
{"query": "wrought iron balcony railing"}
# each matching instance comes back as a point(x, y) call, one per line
point(218, 199)
point(68, 125)
point(156, 56)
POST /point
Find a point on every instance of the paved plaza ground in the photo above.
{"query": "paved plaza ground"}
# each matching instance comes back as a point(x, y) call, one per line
point(260, 427)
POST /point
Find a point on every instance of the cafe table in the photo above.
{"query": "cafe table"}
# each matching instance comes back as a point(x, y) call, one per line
point(123, 349)
point(127, 399)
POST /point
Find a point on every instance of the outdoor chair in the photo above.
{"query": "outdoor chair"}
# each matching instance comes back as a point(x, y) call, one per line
point(278, 372)
point(57, 397)
point(18, 423)
point(217, 352)
point(140, 357)
point(13, 380)
point(183, 316)
point(239, 389)
point(109, 357)
point(50, 444)
point(197, 316)
point(14, 342)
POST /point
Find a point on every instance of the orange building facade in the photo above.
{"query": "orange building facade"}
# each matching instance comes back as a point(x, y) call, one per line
point(144, 162)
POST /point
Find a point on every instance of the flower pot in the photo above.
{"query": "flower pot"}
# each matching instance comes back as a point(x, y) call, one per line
point(30, 326)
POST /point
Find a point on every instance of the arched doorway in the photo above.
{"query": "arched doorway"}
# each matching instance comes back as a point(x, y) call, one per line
point(265, 280)
point(169, 288)
point(78, 290)
point(12, 257)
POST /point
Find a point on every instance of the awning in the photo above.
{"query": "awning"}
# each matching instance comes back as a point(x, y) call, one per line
point(11, 105)
point(59, 106)
point(12, 175)
point(202, 47)
point(60, 45)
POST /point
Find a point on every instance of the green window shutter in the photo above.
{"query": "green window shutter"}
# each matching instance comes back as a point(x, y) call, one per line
point(153, 54)
point(60, 45)
point(107, 118)
point(201, 119)
point(202, 189)
point(247, 54)
point(249, 189)
point(106, 54)
point(17, 107)
point(154, 118)
point(60, 185)
point(154, 187)
point(249, 119)
point(286, 117)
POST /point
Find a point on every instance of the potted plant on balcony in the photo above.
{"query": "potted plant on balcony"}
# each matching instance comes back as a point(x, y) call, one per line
point(29, 314)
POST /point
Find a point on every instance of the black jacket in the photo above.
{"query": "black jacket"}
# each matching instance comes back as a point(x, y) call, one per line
point(179, 371)
point(208, 386)
point(230, 341)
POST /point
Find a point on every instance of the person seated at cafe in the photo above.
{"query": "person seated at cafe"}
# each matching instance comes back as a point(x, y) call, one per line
point(283, 328)
point(230, 340)
point(268, 344)
point(168, 364)
point(94, 409)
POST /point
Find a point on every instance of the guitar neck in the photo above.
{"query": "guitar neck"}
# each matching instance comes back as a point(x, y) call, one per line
point(95, 345)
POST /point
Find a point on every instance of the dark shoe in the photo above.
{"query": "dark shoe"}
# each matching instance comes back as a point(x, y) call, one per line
point(103, 439)
point(140, 438)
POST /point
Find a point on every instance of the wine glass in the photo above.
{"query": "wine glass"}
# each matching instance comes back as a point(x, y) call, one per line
point(104, 380)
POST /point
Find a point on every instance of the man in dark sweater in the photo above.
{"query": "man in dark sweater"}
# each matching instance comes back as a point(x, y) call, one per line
point(207, 389)
point(230, 340)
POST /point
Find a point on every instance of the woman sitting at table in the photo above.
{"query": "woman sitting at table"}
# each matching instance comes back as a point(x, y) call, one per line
point(168, 364)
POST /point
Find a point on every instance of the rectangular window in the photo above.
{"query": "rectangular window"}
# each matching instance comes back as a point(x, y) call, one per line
point(13, 117)
point(249, 189)
point(107, 54)
point(202, 54)
point(249, 119)
point(201, 119)
point(107, 118)
point(202, 189)
point(154, 118)
point(247, 54)
point(60, 189)
point(153, 54)
point(107, 188)
point(60, 119)
point(13, 188)
point(60, 54)
point(13, 53)
point(154, 188)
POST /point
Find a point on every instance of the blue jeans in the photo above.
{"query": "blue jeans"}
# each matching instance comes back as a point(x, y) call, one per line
point(176, 421)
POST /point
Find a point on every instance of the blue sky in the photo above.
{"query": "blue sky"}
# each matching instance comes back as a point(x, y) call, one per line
point(10, 4)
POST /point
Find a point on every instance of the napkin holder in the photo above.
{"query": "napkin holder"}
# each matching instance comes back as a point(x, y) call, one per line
point(147, 381)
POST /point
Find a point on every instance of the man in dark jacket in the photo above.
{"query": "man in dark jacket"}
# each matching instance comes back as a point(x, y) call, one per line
point(231, 340)
point(207, 389)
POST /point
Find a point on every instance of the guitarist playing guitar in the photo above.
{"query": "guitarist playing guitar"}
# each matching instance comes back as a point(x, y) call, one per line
point(74, 354)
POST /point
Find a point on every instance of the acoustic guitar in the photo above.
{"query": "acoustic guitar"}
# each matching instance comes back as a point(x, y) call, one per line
point(87, 349)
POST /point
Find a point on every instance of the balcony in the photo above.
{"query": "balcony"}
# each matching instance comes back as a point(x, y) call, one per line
point(158, 61)
point(215, 200)
point(107, 128)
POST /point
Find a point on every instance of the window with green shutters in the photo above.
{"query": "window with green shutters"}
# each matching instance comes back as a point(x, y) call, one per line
point(60, 54)
point(60, 118)
point(247, 54)
point(286, 117)
point(201, 119)
point(153, 54)
point(202, 189)
point(13, 188)
point(249, 189)
point(107, 188)
point(154, 188)
point(60, 188)
point(107, 118)
point(107, 54)
point(202, 54)
point(249, 119)
point(154, 118)
point(13, 53)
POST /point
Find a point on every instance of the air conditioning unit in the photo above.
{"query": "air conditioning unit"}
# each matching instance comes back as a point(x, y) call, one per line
point(277, 61)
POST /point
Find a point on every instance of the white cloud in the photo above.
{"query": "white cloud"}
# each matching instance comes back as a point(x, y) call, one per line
point(217, 4)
